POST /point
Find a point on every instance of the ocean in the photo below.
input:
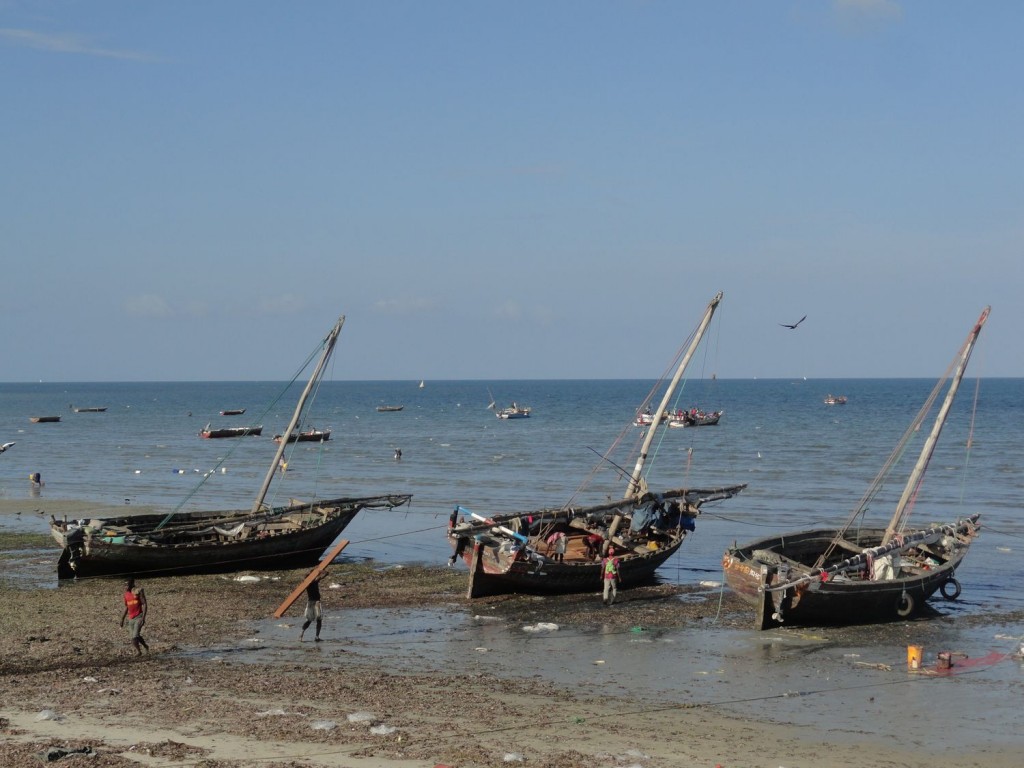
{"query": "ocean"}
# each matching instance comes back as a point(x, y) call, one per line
point(805, 463)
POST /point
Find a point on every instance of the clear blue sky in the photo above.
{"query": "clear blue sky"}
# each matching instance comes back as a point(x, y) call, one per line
point(196, 190)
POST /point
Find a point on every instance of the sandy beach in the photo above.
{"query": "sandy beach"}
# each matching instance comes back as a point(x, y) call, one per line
point(410, 673)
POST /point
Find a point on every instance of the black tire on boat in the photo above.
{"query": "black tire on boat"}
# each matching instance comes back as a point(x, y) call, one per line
point(952, 584)
point(905, 605)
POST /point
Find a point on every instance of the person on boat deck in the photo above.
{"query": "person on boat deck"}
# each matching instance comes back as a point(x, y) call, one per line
point(592, 543)
point(314, 611)
point(561, 541)
point(610, 572)
point(135, 608)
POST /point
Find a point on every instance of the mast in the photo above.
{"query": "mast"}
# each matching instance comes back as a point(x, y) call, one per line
point(914, 481)
point(634, 486)
point(329, 342)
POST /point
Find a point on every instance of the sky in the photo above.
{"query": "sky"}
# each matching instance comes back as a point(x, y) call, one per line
point(508, 190)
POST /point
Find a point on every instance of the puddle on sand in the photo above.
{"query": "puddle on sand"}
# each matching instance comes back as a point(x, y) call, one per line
point(805, 677)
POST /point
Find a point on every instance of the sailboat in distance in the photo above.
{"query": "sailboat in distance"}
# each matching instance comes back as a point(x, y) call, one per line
point(559, 549)
point(856, 574)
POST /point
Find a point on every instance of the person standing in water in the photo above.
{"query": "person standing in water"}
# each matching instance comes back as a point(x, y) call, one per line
point(610, 572)
point(135, 608)
point(314, 611)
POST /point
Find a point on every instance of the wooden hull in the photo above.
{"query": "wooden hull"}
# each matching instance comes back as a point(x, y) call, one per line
point(389, 408)
point(854, 598)
point(495, 571)
point(232, 412)
point(498, 562)
point(208, 542)
point(231, 432)
point(43, 419)
point(315, 436)
point(90, 410)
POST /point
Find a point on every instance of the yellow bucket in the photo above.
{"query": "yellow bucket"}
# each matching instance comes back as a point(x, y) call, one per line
point(914, 654)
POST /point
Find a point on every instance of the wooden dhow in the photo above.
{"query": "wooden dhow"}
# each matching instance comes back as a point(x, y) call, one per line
point(262, 537)
point(855, 574)
point(643, 529)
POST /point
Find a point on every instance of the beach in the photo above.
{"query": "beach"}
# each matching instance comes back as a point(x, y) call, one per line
point(411, 673)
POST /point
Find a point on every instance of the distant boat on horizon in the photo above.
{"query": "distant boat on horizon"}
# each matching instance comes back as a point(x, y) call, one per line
point(422, 384)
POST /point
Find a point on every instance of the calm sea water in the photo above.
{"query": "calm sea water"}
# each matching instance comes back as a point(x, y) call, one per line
point(806, 463)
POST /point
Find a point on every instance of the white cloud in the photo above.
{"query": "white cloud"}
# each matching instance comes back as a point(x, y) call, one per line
point(147, 305)
point(509, 309)
point(404, 306)
point(65, 44)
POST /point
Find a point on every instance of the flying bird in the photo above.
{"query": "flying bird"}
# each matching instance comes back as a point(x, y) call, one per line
point(794, 325)
point(5, 446)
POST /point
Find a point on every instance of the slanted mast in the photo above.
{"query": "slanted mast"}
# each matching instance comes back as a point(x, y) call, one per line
point(329, 342)
point(917, 474)
point(637, 486)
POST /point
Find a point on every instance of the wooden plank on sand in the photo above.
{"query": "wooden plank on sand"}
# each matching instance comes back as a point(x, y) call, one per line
point(317, 570)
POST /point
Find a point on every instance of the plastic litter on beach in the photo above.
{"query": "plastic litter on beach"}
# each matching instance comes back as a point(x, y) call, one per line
point(541, 626)
point(323, 725)
point(383, 730)
point(49, 714)
point(247, 579)
point(513, 757)
point(362, 717)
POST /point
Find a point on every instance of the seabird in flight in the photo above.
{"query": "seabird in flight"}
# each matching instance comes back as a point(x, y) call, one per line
point(794, 325)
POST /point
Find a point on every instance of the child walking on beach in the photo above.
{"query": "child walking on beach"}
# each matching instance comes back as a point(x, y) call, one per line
point(135, 608)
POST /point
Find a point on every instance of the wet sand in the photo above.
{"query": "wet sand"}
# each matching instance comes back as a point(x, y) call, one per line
point(410, 673)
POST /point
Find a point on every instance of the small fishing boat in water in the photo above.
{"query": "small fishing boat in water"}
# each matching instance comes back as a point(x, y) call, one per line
point(209, 432)
point(306, 436)
point(696, 418)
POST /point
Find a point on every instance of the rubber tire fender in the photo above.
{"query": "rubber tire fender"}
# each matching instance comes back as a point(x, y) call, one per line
point(905, 605)
point(956, 588)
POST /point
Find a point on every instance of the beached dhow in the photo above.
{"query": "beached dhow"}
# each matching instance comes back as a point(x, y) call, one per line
point(858, 574)
point(559, 549)
point(263, 537)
